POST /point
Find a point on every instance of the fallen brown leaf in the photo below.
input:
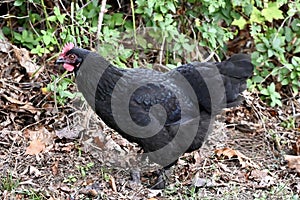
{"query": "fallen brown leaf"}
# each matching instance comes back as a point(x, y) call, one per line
point(293, 162)
point(296, 146)
point(112, 183)
point(4, 45)
point(25, 61)
point(68, 147)
point(54, 168)
point(13, 100)
point(197, 157)
point(230, 153)
point(99, 143)
point(41, 133)
point(35, 147)
point(69, 134)
point(258, 174)
point(29, 108)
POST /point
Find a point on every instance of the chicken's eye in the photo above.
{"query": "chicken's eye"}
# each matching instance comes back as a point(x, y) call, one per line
point(72, 57)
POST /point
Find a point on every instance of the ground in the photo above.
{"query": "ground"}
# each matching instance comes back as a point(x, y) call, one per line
point(53, 151)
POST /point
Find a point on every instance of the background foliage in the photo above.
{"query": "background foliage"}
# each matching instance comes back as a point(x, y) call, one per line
point(182, 30)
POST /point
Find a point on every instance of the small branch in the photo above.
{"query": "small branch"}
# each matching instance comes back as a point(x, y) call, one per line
point(211, 55)
point(100, 20)
point(7, 16)
point(133, 20)
point(28, 182)
point(162, 50)
point(46, 14)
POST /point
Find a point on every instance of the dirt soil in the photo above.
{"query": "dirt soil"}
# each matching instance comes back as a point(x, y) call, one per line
point(50, 151)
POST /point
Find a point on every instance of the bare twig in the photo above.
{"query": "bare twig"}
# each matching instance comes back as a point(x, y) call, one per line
point(210, 56)
point(7, 16)
point(133, 20)
point(100, 20)
point(162, 50)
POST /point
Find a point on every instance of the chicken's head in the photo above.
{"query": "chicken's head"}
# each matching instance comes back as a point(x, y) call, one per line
point(71, 57)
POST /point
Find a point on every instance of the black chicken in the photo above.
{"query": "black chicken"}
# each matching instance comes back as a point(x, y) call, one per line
point(167, 114)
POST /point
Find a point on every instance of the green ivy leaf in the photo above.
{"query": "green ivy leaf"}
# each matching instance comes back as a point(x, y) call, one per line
point(265, 92)
point(271, 87)
point(295, 25)
point(276, 43)
point(261, 47)
point(151, 3)
point(272, 12)
point(240, 23)
point(256, 16)
point(47, 39)
point(276, 101)
point(285, 82)
point(163, 9)
point(248, 9)
point(56, 11)
point(257, 79)
point(118, 18)
point(295, 90)
point(18, 2)
point(297, 49)
point(288, 34)
point(293, 75)
point(52, 18)
point(171, 6)
point(158, 17)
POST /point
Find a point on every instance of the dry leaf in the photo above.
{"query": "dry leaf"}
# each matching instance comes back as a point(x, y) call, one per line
point(230, 153)
point(34, 171)
point(41, 133)
point(267, 181)
point(98, 142)
point(224, 167)
point(263, 177)
point(25, 61)
point(92, 193)
point(197, 157)
point(68, 147)
point(44, 90)
point(54, 168)
point(4, 44)
point(39, 138)
point(112, 183)
point(65, 188)
point(293, 162)
point(69, 134)
point(296, 146)
point(29, 108)
point(258, 174)
point(21, 105)
point(35, 147)
point(12, 100)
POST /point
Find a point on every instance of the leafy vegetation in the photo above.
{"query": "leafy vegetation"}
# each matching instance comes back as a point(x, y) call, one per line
point(60, 88)
point(179, 29)
point(8, 183)
point(84, 169)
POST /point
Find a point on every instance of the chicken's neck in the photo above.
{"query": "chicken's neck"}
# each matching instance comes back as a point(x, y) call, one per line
point(96, 78)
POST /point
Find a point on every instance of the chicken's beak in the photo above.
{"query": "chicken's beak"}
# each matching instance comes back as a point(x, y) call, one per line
point(60, 60)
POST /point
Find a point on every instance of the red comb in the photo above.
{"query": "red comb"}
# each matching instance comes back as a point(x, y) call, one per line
point(66, 48)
